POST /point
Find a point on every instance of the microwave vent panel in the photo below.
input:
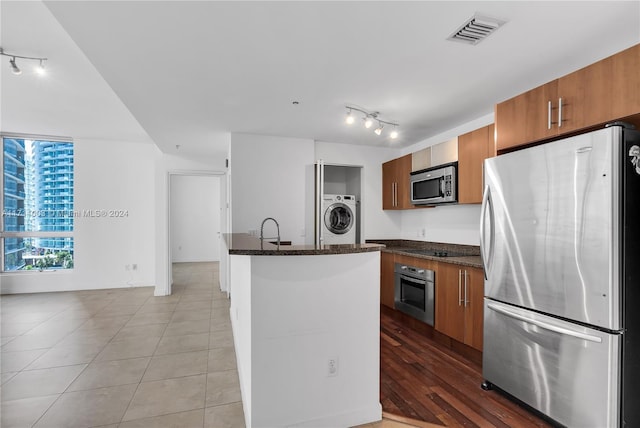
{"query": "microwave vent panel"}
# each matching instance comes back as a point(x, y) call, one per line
point(476, 29)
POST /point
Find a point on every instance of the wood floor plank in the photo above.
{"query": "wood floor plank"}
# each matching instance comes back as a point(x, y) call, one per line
point(424, 380)
point(464, 409)
point(389, 340)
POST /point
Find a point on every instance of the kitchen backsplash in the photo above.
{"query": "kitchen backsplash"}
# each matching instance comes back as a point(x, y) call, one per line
point(456, 224)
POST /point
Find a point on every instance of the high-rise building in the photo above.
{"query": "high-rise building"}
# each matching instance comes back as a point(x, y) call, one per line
point(53, 172)
point(14, 200)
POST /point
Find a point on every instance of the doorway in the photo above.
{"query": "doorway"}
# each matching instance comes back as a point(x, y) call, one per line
point(196, 217)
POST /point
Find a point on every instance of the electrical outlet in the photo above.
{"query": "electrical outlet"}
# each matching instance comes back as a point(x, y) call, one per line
point(332, 366)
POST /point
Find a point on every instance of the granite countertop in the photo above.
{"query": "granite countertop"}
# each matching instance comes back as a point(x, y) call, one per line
point(245, 244)
point(470, 254)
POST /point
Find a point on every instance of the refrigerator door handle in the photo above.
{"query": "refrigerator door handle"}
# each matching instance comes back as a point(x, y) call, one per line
point(544, 325)
point(486, 255)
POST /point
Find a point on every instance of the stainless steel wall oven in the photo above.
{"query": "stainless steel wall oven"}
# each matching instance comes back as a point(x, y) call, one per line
point(415, 292)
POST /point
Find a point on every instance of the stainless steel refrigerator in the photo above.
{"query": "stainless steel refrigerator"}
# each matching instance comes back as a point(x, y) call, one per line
point(560, 242)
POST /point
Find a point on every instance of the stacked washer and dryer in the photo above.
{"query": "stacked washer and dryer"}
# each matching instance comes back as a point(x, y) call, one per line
point(339, 219)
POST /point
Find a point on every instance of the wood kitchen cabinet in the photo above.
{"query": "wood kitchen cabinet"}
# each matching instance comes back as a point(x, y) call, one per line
point(605, 91)
point(473, 148)
point(387, 279)
point(459, 303)
point(526, 117)
point(395, 184)
point(602, 92)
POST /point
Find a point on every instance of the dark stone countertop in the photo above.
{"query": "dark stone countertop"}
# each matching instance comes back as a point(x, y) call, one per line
point(245, 244)
point(470, 253)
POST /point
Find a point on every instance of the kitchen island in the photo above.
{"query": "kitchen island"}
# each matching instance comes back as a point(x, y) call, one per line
point(306, 324)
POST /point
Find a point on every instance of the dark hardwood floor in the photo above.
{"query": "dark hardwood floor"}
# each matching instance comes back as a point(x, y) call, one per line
point(424, 380)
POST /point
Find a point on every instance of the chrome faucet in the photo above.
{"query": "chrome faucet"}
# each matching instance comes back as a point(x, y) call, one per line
point(262, 230)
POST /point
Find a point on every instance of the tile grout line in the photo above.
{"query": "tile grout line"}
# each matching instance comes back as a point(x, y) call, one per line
point(148, 363)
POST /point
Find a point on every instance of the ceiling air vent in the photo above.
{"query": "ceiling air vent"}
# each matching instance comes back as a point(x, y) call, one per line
point(476, 29)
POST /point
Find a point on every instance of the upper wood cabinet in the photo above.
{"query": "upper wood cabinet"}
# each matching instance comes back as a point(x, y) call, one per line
point(525, 118)
point(395, 184)
point(604, 91)
point(473, 148)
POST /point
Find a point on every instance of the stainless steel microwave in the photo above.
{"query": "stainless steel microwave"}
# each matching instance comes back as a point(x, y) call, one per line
point(436, 185)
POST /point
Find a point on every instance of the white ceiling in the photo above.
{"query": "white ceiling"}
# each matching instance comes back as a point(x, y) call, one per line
point(189, 73)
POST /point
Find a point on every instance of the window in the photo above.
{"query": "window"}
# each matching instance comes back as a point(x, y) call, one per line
point(36, 230)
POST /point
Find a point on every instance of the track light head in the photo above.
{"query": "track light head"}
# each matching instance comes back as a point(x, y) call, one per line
point(368, 121)
point(393, 134)
point(40, 68)
point(349, 119)
point(14, 68)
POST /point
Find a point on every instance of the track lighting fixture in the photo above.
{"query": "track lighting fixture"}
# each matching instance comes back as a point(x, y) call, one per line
point(368, 119)
point(14, 67)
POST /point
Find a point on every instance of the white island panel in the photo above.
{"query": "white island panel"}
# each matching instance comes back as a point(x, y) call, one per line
point(290, 317)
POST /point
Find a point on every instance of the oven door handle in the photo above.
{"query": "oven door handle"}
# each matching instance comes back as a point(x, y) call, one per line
point(420, 282)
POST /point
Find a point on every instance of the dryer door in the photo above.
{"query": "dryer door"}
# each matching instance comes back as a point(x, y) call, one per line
point(338, 218)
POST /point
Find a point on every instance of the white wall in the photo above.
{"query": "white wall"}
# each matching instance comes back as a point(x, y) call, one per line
point(195, 218)
point(166, 163)
point(270, 178)
point(109, 175)
point(455, 224)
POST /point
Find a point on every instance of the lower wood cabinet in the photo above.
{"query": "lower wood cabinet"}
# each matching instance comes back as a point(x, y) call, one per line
point(459, 296)
point(459, 303)
point(387, 279)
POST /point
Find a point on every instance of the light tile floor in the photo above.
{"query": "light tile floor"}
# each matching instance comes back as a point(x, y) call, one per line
point(121, 357)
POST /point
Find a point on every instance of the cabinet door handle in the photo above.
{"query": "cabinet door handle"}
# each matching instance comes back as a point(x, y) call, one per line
point(460, 287)
point(397, 194)
point(559, 112)
point(549, 115)
point(465, 289)
point(394, 194)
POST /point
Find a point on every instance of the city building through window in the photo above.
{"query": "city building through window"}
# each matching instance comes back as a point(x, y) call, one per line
point(37, 204)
